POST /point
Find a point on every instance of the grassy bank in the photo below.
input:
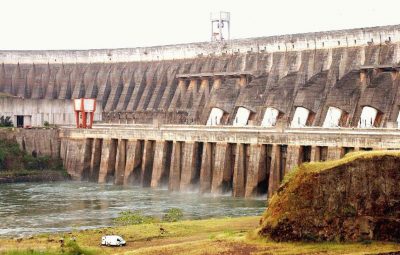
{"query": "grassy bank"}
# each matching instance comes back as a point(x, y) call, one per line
point(18, 166)
point(212, 236)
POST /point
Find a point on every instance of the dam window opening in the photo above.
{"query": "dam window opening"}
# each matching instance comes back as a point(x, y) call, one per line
point(147, 161)
point(265, 167)
point(302, 117)
point(292, 46)
point(398, 120)
point(270, 118)
point(323, 44)
point(198, 156)
point(20, 121)
point(242, 117)
point(347, 150)
point(279, 47)
point(366, 149)
point(370, 117)
point(227, 178)
point(321, 153)
point(333, 118)
point(166, 167)
point(355, 42)
point(305, 154)
point(215, 117)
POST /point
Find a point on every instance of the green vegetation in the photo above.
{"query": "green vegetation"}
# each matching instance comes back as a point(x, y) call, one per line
point(211, 236)
point(5, 121)
point(315, 167)
point(126, 218)
point(173, 215)
point(137, 217)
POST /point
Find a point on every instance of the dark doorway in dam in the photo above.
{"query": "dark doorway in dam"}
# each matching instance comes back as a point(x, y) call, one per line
point(348, 150)
point(96, 159)
point(111, 161)
point(227, 181)
point(305, 154)
point(322, 153)
point(366, 149)
point(167, 167)
point(282, 161)
point(197, 163)
point(147, 162)
point(20, 121)
point(263, 175)
point(135, 177)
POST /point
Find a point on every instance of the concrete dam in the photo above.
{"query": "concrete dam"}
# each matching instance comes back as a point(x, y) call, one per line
point(214, 117)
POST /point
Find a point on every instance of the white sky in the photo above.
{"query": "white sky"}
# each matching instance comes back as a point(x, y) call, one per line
point(84, 24)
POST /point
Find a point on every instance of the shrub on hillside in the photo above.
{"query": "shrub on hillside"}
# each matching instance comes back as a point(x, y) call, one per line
point(173, 215)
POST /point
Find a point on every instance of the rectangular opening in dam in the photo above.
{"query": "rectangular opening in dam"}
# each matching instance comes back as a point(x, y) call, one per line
point(265, 166)
point(305, 154)
point(147, 162)
point(282, 159)
point(167, 165)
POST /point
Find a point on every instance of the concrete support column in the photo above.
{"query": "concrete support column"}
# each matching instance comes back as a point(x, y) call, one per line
point(293, 157)
point(207, 166)
point(147, 163)
point(240, 171)
point(334, 153)
point(133, 161)
point(95, 160)
point(176, 167)
point(120, 162)
point(257, 165)
point(274, 174)
point(107, 163)
point(159, 164)
point(315, 154)
point(188, 165)
point(222, 167)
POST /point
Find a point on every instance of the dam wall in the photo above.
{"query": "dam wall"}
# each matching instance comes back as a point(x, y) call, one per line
point(241, 161)
point(181, 84)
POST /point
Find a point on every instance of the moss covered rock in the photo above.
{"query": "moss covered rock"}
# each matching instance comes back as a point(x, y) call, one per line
point(351, 199)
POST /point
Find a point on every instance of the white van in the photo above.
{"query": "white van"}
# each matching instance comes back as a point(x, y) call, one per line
point(112, 241)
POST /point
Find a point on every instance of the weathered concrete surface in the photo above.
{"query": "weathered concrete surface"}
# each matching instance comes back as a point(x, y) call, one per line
point(242, 161)
point(357, 199)
point(164, 84)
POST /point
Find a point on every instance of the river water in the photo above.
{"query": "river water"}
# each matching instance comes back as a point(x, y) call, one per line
point(31, 208)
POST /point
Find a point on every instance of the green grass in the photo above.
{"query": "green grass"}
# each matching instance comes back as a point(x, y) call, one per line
point(211, 236)
point(316, 167)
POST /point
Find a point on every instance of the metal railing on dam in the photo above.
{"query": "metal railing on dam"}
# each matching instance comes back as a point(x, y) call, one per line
point(246, 161)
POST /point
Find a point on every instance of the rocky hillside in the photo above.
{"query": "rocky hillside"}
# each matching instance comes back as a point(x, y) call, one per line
point(351, 199)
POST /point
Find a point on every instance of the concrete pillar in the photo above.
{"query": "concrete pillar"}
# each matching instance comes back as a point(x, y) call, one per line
point(207, 166)
point(147, 163)
point(159, 164)
point(96, 159)
point(293, 157)
point(315, 154)
point(334, 153)
point(240, 171)
point(274, 174)
point(108, 157)
point(222, 167)
point(133, 162)
point(176, 167)
point(120, 162)
point(189, 165)
point(257, 164)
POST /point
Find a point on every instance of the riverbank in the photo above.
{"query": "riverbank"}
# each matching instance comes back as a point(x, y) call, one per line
point(32, 176)
point(211, 236)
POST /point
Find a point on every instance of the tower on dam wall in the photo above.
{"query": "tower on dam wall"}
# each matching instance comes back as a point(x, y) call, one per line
point(245, 112)
point(302, 79)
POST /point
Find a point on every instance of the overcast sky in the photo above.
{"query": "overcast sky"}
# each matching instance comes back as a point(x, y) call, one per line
point(85, 24)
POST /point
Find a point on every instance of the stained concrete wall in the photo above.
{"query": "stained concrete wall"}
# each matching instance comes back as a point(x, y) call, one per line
point(180, 84)
point(241, 161)
point(54, 111)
